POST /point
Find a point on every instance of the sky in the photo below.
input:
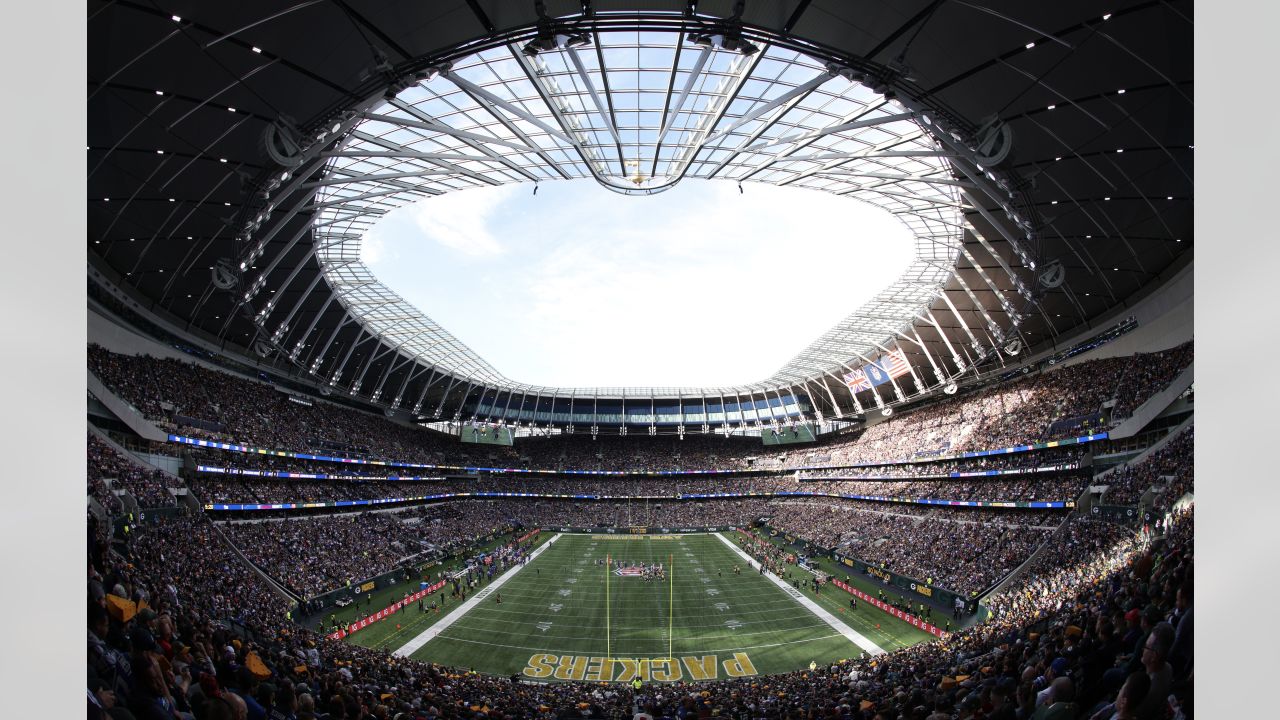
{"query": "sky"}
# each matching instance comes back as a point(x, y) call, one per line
point(579, 286)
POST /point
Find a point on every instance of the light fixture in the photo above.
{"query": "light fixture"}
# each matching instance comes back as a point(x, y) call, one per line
point(1107, 16)
point(222, 160)
point(544, 42)
point(257, 50)
point(740, 45)
point(231, 109)
point(724, 42)
point(159, 92)
point(1030, 45)
point(177, 18)
point(1119, 150)
point(705, 40)
point(1053, 107)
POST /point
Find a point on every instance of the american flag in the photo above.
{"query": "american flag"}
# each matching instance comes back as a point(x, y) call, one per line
point(878, 372)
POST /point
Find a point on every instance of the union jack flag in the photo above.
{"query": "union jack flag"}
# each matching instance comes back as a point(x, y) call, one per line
point(878, 372)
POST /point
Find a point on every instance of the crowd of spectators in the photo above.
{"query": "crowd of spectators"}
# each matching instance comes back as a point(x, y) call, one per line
point(965, 557)
point(1016, 413)
point(196, 400)
point(254, 490)
point(1025, 488)
point(1062, 456)
point(1099, 626)
point(1126, 485)
point(1148, 374)
point(233, 488)
point(148, 485)
point(315, 555)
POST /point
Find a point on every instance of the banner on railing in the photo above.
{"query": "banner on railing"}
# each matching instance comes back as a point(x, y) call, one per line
point(385, 612)
point(251, 472)
point(903, 616)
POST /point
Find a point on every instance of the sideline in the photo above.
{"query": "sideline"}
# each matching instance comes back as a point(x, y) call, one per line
point(849, 633)
point(430, 633)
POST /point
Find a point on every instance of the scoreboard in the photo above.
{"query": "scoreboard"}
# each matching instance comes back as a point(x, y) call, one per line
point(486, 434)
point(798, 433)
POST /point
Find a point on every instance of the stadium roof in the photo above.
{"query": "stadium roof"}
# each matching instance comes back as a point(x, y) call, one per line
point(1040, 153)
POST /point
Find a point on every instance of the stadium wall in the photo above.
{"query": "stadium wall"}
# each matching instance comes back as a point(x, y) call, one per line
point(1166, 319)
point(117, 338)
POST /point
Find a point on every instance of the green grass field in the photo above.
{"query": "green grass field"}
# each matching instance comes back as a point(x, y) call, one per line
point(560, 620)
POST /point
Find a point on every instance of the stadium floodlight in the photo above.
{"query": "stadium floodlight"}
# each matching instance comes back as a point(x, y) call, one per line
point(733, 43)
point(548, 41)
point(542, 43)
point(706, 40)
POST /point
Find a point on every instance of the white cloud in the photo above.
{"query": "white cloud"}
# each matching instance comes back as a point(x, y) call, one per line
point(461, 220)
point(373, 248)
point(698, 286)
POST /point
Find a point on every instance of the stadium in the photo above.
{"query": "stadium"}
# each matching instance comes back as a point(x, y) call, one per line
point(970, 497)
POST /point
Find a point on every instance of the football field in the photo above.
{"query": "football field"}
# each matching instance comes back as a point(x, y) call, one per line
point(567, 615)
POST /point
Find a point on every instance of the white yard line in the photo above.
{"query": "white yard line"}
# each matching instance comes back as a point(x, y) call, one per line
point(430, 633)
point(852, 635)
